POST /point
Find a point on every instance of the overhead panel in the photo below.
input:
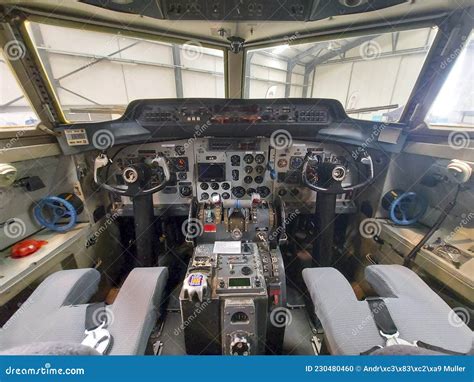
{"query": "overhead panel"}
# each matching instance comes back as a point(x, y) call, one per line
point(241, 10)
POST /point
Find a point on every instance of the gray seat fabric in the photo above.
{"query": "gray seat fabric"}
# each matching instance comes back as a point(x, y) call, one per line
point(56, 311)
point(416, 310)
point(50, 348)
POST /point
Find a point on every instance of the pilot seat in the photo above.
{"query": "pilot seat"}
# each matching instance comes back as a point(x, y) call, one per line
point(53, 320)
point(406, 314)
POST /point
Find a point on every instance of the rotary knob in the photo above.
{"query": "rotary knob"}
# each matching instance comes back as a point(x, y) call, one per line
point(239, 345)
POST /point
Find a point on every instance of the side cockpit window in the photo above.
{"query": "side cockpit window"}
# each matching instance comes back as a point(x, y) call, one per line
point(454, 105)
point(16, 112)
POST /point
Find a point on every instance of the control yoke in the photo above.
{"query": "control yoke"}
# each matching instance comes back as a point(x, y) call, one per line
point(137, 176)
point(326, 179)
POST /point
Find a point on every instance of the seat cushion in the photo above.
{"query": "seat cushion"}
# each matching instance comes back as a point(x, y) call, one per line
point(418, 312)
point(56, 312)
point(348, 324)
point(136, 309)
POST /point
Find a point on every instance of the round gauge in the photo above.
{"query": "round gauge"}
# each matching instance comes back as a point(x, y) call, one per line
point(204, 186)
point(179, 150)
point(248, 169)
point(251, 191)
point(296, 163)
point(180, 164)
point(214, 194)
point(260, 169)
point(248, 179)
point(235, 160)
point(204, 196)
point(259, 179)
point(185, 191)
point(182, 176)
point(248, 158)
point(225, 186)
point(238, 192)
point(259, 158)
point(215, 186)
point(282, 163)
point(263, 191)
point(225, 195)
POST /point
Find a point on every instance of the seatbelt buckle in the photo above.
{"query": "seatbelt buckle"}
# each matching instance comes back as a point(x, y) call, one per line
point(394, 339)
point(98, 339)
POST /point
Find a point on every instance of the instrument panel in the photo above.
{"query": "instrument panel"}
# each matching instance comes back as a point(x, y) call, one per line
point(232, 169)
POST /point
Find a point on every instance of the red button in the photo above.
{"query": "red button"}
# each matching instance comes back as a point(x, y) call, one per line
point(210, 228)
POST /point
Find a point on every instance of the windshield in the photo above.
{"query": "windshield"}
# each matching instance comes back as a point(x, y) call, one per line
point(95, 75)
point(15, 110)
point(371, 75)
point(454, 105)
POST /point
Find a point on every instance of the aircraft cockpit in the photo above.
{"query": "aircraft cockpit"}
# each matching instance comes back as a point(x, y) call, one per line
point(206, 177)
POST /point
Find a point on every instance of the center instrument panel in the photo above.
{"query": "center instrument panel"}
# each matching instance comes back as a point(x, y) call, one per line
point(231, 168)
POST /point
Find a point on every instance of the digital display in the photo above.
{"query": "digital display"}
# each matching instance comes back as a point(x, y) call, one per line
point(211, 172)
point(239, 282)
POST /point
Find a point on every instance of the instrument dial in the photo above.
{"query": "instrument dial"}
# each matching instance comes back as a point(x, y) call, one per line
point(263, 191)
point(204, 186)
point(282, 163)
point(296, 163)
point(248, 169)
point(248, 179)
point(238, 192)
point(259, 158)
point(248, 158)
point(260, 169)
